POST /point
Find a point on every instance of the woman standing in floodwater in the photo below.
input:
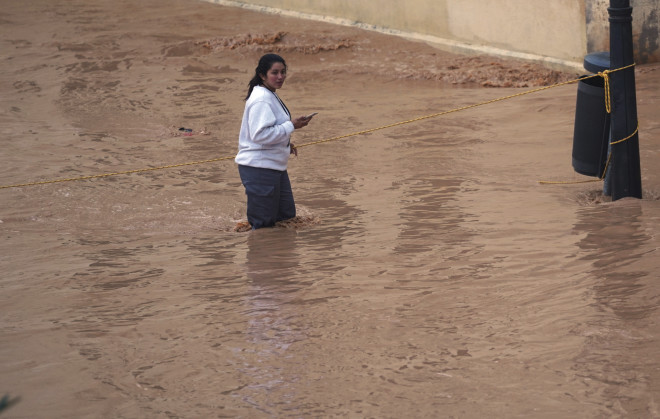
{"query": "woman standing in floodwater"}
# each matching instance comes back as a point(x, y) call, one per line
point(264, 146)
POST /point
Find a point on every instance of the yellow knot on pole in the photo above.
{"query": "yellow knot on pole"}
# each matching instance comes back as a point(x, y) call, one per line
point(606, 82)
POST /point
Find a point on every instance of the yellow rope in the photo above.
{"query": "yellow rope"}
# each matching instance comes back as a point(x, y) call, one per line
point(567, 182)
point(126, 172)
point(607, 164)
point(604, 74)
point(628, 137)
point(434, 115)
point(609, 155)
point(606, 86)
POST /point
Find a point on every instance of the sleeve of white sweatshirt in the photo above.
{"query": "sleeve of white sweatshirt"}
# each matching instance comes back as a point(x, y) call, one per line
point(263, 126)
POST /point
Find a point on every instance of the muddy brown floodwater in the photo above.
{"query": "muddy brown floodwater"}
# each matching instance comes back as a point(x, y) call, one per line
point(429, 275)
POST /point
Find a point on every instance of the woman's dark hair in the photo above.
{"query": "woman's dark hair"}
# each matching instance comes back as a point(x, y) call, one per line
point(265, 63)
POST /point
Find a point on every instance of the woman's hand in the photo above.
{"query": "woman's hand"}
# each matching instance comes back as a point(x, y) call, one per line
point(301, 122)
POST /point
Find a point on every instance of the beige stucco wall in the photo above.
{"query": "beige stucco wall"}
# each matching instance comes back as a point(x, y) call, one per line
point(549, 28)
point(646, 28)
point(558, 32)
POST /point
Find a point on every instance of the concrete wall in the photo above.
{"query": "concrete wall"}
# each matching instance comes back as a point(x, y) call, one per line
point(557, 32)
point(646, 28)
point(549, 28)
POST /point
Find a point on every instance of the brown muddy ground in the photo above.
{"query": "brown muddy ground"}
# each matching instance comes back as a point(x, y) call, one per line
point(429, 273)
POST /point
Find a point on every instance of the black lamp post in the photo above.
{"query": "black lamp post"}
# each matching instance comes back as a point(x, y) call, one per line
point(625, 175)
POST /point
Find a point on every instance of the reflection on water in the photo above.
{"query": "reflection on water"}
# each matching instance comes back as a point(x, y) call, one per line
point(621, 336)
point(616, 242)
point(271, 268)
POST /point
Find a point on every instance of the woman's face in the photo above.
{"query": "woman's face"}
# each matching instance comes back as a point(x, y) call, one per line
point(274, 78)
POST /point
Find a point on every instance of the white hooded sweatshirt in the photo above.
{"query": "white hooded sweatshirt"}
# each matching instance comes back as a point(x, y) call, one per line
point(264, 140)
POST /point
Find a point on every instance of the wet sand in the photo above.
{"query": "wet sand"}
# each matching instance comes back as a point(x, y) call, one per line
point(430, 274)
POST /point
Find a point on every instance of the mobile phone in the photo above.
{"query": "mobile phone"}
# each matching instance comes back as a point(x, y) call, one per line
point(311, 115)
